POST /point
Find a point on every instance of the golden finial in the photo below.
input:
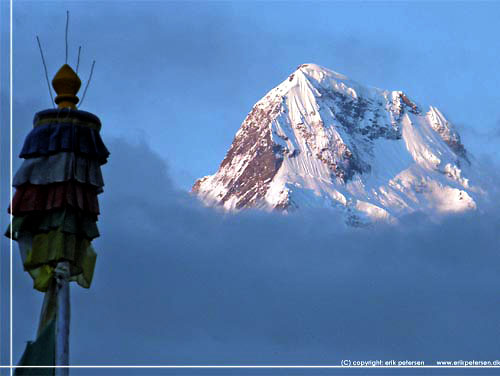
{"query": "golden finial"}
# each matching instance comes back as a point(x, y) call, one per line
point(66, 83)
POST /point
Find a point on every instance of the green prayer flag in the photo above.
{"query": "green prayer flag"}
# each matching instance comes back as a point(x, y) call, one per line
point(39, 353)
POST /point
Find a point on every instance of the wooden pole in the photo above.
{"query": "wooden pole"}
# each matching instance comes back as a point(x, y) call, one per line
point(62, 319)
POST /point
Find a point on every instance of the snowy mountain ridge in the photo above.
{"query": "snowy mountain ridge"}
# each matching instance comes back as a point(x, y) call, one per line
point(320, 139)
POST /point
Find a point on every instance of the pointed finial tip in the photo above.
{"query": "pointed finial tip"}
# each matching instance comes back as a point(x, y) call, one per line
point(66, 83)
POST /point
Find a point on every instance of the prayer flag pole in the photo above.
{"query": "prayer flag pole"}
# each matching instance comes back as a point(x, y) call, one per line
point(62, 319)
point(55, 211)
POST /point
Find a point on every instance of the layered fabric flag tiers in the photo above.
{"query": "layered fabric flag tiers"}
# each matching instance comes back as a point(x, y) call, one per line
point(36, 197)
point(55, 206)
point(55, 211)
point(62, 130)
point(59, 167)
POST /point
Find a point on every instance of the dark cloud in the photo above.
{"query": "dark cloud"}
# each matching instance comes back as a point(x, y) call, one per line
point(178, 283)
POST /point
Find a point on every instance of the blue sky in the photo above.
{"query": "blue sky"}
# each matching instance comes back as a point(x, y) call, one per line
point(184, 75)
point(177, 283)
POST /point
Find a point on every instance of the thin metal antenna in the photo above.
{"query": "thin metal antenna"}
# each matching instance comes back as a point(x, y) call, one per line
point(88, 82)
point(78, 61)
point(66, 35)
point(46, 74)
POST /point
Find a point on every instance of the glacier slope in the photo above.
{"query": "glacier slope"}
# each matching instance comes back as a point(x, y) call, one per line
point(320, 139)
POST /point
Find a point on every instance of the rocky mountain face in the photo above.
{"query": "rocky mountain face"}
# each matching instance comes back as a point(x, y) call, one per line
point(320, 139)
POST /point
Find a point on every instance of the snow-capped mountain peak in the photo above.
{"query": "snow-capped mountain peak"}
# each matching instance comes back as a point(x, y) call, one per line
point(320, 139)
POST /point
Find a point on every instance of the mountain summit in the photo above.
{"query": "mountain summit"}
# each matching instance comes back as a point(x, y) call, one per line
point(320, 139)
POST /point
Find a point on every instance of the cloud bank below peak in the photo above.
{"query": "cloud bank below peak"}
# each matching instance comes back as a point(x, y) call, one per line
point(195, 286)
